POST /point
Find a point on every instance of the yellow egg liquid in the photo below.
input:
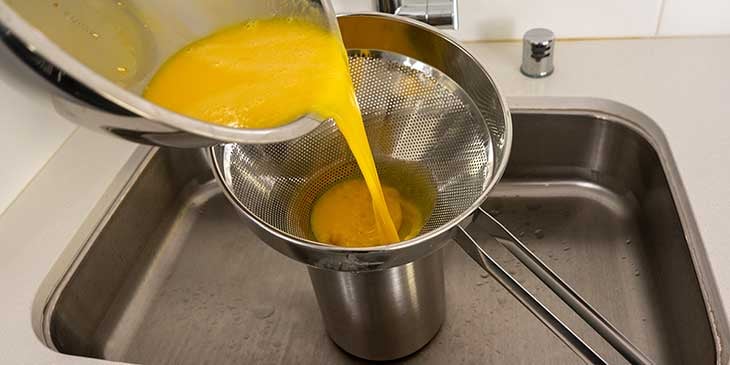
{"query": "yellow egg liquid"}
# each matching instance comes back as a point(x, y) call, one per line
point(343, 215)
point(269, 72)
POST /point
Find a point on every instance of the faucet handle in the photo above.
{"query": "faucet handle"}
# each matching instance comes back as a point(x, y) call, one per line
point(443, 14)
point(439, 13)
point(538, 47)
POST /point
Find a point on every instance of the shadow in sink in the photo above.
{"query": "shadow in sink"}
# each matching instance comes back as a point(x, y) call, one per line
point(172, 275)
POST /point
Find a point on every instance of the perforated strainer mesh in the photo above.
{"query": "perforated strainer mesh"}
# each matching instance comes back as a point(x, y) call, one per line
point(428, 139)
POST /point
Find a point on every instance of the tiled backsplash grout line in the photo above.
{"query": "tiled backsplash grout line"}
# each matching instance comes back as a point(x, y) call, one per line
point(660, 17)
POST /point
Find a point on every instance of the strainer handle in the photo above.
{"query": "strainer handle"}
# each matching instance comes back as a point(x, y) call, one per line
point(539, 310)
point(579, 305)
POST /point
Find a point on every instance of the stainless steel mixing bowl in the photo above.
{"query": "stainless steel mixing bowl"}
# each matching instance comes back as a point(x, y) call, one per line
point(99, 55)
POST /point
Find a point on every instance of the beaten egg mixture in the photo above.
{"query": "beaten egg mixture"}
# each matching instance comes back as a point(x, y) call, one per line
point(266, 73)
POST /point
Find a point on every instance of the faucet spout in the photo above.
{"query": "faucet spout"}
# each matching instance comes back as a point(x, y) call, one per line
point(439, 13)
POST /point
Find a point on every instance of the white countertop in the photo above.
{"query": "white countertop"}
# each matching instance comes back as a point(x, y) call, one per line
point(681, 83)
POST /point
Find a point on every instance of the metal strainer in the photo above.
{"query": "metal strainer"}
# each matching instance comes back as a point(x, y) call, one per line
point(427, 136)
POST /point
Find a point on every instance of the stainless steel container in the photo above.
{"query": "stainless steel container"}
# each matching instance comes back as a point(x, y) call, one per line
point(383, 315)
point(99, 56)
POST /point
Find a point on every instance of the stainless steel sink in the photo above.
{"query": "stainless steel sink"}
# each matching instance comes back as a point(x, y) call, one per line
point(172, 275)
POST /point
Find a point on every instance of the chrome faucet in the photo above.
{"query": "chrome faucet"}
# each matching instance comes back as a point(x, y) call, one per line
point(439, 13)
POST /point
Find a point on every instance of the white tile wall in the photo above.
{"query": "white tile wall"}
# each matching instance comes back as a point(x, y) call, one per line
point(353, 6)
point(695, 17)
point(509, 19)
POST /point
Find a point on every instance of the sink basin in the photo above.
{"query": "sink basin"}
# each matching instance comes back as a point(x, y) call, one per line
point(172, 275)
